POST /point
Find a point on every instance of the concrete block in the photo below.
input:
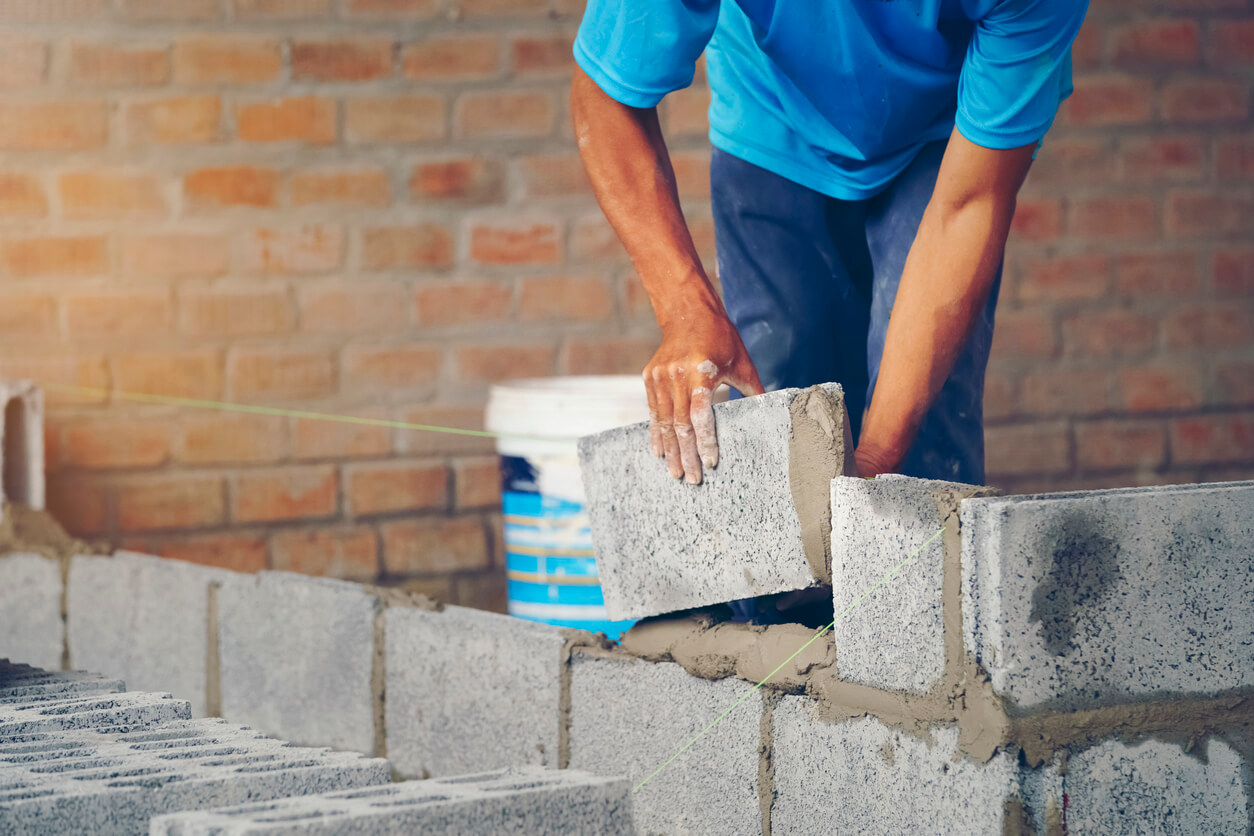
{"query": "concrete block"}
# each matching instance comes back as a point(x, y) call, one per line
point(296, 658)
point(31, 629)
point(895, 637)
point(1083, 599)
point(91, 711)
point(114, 782)
point(470, 691)
point(759, 523)
point(1155, 787)
point(22, 443)
point(631, 716)
point(144, 619)
point(861, 776)
point(530, 800)
point(25, 685)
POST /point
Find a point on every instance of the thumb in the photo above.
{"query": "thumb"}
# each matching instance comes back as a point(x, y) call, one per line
point(747, 380)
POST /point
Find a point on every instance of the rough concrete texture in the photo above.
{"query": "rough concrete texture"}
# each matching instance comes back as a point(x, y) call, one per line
point(22, 443)
point(861, 776)
point(25, 685)
point(630, 716)
point(894, 637)
point(143, 619)
point(1076, 600)
point(1156, 787)
point(757, 524)
point(296, 656)
point(521, 801)
point(468, 691)
point(31, 629)
point(90, 711)
point(114, 781)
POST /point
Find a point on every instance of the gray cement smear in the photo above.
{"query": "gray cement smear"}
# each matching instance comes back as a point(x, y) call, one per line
point(1082, 600)
point(663, 545)
point(513, 801)
point(31, 629)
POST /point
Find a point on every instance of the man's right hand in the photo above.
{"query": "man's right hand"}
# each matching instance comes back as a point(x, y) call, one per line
point(697, 354)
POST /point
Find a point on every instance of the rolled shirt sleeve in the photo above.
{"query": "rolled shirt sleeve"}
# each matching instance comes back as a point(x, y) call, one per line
point(637, 51)
point(1017, 71)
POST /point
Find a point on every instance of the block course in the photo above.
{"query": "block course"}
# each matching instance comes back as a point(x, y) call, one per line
point(31, 629)
point(758, 524)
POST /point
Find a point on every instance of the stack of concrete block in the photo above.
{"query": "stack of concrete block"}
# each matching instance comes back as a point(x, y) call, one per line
point(31, 629)
point(757, 524)
point(528, 800)
point(21, 443)
point(25, 684)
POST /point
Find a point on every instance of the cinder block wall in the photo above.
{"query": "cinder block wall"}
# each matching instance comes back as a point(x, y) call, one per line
point(374, 207)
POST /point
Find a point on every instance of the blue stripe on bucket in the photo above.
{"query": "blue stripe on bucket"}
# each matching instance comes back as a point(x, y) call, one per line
point(538, 505)
point(585, 567)
point(553, 593)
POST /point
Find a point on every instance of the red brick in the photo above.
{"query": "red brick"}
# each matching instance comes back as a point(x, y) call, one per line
point(397, 486)
point(232, 186)
point(179, 374)
point(497, 9)
point(111, 194)
point(1205, 100)
point(1234, 157)
point(1234, 272)
point(593, 239)
point(27, 316)
point(232, 439)
point(174, 255)
point(419, 118)
point(463, 302)
point(1213, 439)
point(687, 112)
point(80, 505)
point(1114, 217)
point(1233, 42)
point(509, 114)
point(21, 196)
point(223, 59)
point(280, 9)
point(174, 121)
point(121, 313)
point(1065, 278)
point(293, 250)
point(617, 355)
point(1211, 326)
point(1064, 391)
point(1072, 161)
point(163, 11)
point(23, 64)
point(351, 553)
point(1236, 382)
point(426, 443)
point(391, 368)
point(159, 502)
point(692, 174)
point(515, 243)
point(53, 125)
point(53, 11)
point(235, 312)
point(1109, 100)
point(1157, 43)
point(302, 492)
point(1000, 397)
point(1158, 274)
point(115, 442)
point(1162, 158)
point(226, 550)
point(358, 307)
point(636, 298)
point(453, 58)
point(282, 373)
point(576, 299)
point(421, 246)
point(1086, 50)
point(1209, 215)
point(71, 257)
point(470, 180)
point(1037, 220)
point(436, 545)
point(478, 483)
point(341, 60)
point(1104, 445)
point(392, 9)
point(1025, 334)
point(308, 119)
point(1027, 449)
point(548, 54)
point(493, 363)
point(105, 64)
point(553, 175)
point(314, 439)
point(79, 371)
point(1159, 387)
point(1103, 333)
point(341, 189)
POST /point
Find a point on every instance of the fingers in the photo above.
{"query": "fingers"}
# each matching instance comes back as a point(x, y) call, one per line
point(747, 380)
point(655, 431)
point(685, 434)
point(666, 423)
point(702, 412)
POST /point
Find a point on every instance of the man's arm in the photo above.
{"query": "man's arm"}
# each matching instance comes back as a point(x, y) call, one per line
point(948, 275)
point(626, 158)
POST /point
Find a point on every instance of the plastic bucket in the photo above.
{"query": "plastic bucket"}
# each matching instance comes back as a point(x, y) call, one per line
point(550, 568)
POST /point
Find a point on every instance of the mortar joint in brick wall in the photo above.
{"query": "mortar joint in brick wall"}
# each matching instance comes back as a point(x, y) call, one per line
point(213, 652)
point(766, 762)
point(378, 681)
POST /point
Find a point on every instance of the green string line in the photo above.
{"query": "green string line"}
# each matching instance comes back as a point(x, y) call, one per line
point(813, 638)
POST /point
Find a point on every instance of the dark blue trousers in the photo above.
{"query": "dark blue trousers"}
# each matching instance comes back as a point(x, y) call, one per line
point(809, 281)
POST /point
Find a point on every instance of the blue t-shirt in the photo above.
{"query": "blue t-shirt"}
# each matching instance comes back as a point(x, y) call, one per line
point(839, 95)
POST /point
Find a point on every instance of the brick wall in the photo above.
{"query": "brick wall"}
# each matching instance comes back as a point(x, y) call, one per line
point(374, 207)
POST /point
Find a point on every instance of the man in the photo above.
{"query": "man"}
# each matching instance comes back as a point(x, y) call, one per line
point(867, 155)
